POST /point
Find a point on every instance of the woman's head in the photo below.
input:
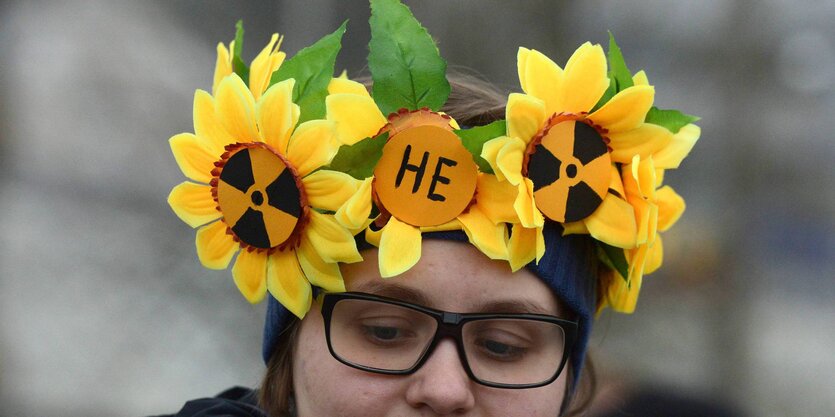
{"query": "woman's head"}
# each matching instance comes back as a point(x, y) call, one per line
point(300, 174)
point(451, 277)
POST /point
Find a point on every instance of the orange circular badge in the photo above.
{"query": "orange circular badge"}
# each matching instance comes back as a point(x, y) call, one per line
point(258, 197)
point(425, 177)
point(570, 170)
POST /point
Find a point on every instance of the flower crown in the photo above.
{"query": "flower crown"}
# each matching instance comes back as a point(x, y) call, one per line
point(290, 163)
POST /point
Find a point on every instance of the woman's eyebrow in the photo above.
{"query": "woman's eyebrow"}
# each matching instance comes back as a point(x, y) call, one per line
point(396, 291)
point(410, 295)
point(514, 307)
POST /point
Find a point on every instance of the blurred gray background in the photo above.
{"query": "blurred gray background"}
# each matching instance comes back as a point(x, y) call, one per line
point(105, 311)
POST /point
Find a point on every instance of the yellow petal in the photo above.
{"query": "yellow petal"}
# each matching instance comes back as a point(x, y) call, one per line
point(329, 190)
point(521, 66)
point(278, 115)
point(645, 176)
point(452, 121)
point(623, 297)
point(525, 207)
point(215, 248)
point(542, 78)
point(332, 241)
point(250, 275)
point(356, 116)
point(509, 160)
point(206, 125)
point(640, 78)
point(496, 198)
point(235, 109)
point(652, 232)
point(400, 245)
point(193, 157)
point(524, 246)
point(613, 223)
point(263, 66)
point(312, 146)
point(659, 176)
point(223, 66)
point(616, 182)
point(655, 256)
point(488, 237)
point(643, 210)
point(346, 86)
point(325, 275)
point(670, 207)
point(490, 153)
point(644, 140)
point(637, 260)
point(525, 116)
point(670, 156)
point(626, 110)
point(287, 283)
point(584, 80)
point(574, 228)
point(373, 236)
point(356, 210)
point(449, 226)
point(193, 203)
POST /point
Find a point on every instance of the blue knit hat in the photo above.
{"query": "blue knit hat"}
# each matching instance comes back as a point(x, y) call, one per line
point(568, 268)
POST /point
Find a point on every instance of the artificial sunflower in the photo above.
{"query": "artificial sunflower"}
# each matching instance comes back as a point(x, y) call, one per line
point(561, 153)
point(265, 63)
point(480, 207)
point(259, 192)
point(657, 208)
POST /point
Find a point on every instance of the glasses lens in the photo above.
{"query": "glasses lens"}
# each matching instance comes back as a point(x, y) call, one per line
point(379, 335)
point(514, 351)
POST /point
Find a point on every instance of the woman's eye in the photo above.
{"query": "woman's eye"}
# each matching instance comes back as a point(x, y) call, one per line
point(494, 349)
point(387, 335)
point(382, 333)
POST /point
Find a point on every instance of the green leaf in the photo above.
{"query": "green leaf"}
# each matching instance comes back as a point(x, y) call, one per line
point(474, 139)
point(673, 120)
point(312, 68)
point(405, 64)
point(614, 258)
point(619, 76)
point(238, 65)
point(358, 160)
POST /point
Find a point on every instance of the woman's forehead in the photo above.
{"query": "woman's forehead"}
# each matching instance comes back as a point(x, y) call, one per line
point(456, 277)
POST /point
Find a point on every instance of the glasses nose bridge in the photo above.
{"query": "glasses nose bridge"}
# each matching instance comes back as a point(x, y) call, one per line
point(449, 325)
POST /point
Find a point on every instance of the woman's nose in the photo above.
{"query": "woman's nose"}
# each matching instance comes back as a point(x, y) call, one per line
point(442, 384)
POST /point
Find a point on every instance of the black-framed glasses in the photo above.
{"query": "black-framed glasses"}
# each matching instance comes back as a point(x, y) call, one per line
point(388, 336)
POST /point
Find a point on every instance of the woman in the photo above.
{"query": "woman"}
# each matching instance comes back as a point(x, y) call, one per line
point(416, 267)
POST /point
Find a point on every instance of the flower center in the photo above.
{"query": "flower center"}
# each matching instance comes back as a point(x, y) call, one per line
point(571, 170)
point(258, 193)
point(568, 162)
point(257, 198)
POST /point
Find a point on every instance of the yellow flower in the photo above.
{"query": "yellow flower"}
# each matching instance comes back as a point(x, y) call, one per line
point(543, 126)
point(656, 210)
point(259, 192)
point(261, 69)
point(357, 117)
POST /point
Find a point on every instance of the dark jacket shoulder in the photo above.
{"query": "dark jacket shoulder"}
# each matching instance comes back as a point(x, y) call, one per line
point(234, 402)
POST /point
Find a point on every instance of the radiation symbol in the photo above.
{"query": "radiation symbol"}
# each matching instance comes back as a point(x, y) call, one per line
point(258, 197)
point(570, 170)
